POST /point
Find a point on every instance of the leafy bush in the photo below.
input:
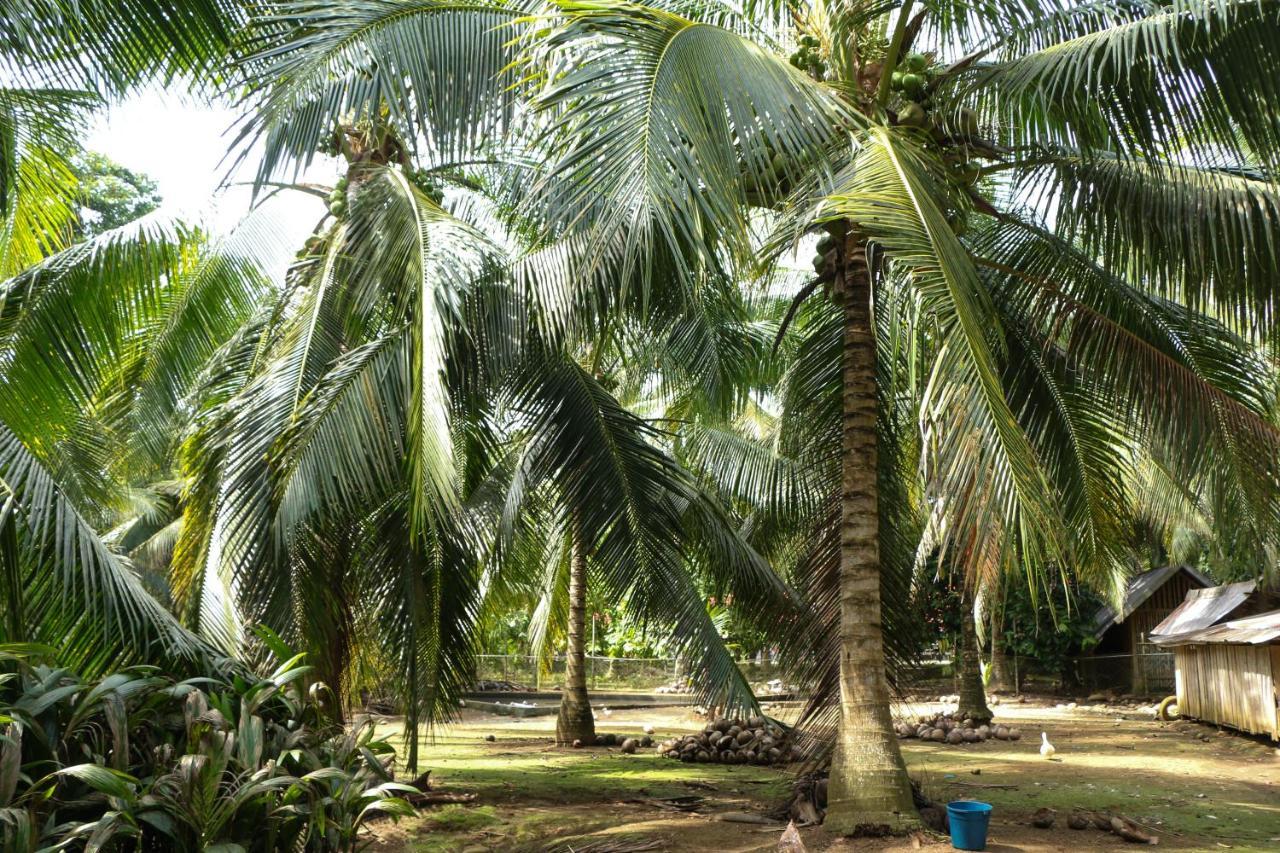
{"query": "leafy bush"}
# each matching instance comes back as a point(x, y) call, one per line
point(226, 764)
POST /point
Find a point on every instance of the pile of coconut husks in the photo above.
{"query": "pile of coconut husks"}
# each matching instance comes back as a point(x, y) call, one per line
point(754, 740)
point(945, 728)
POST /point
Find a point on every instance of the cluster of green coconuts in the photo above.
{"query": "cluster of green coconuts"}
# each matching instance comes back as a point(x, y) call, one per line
point(910, 80)
point(338, 198)
point(825, 245)
point(423, 180)
point(911, 76)
point(807, 59)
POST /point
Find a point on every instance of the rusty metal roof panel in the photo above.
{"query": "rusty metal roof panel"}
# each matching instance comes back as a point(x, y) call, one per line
point(1253, 630)
point(1202, 609)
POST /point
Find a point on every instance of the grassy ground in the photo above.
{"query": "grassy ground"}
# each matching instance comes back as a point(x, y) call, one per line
point(1195, 794)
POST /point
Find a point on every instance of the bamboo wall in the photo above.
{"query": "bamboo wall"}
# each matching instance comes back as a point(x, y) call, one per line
point(1231, 684)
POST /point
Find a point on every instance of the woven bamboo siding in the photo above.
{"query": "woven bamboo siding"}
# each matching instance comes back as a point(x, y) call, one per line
point(1230, 684)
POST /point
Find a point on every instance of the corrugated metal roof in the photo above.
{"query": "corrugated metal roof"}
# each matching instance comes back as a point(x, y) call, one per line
point(1253, 630)
point(1140, 588)
point(1201, 609)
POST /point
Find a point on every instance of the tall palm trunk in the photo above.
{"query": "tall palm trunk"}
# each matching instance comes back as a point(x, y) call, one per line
point(13, 629)
point(1001, 680)
point(576, 721)
point(869, 787)
point(973, 697)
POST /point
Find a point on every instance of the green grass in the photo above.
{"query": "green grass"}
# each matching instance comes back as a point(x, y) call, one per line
point(534, 793)
point(461, 818)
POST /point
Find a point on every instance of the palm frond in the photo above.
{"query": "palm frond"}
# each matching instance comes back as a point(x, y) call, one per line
point(443, 71)
point(112, 47)
point(1148, 79)
point(633, 504)
point(76, 592)
point(665, 123)
point(1204, 237)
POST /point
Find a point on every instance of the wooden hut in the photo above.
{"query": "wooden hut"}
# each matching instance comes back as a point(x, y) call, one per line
point(1123, 655)
point(1148, 600)
point(1227, 671)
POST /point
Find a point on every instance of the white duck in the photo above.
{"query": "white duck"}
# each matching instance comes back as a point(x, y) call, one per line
point(648, 729)
point(1046, 748)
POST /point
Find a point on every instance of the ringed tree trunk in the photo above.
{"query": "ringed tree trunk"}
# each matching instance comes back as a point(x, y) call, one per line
point(973, 696)
point(575, 720)
point(869, 788)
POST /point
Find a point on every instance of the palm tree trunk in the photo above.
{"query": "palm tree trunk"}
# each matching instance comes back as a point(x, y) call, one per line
point(973, 697)
point(1001, 680)
point(576, 722)
point(869, 787)
point(10, 575)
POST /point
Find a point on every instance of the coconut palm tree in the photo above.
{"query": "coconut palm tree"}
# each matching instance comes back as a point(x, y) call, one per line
point(1075, 202)
point(75, 321)
point(414, 426)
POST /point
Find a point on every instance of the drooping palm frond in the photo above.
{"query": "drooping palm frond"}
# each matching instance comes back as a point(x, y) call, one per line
point(1180, 384)
point(661, 140)
point(37, 187)
point(1145, 78)
point(1206, 237)
point(208, 305)
point(638, 512)
point(424, 593)
point(111, 47)
point(83, 306)
point(76, 594)
point(441, 70)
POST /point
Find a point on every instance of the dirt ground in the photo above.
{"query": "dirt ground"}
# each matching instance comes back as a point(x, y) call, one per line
point(1193, 786)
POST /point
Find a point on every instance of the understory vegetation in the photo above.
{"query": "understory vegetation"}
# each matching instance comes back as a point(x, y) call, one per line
point(137, 760)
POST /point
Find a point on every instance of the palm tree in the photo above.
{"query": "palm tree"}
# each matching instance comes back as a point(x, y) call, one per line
point(412, 426)
point(76, 320)
point(1062, 339)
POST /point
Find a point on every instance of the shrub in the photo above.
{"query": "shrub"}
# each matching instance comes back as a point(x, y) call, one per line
point(225, 763)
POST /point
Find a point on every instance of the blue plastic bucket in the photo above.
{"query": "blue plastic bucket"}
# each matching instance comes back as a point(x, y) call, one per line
point(968, 821)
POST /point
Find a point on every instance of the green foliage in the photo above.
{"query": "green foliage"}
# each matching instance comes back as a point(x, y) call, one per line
point(226, 761)
point(111, 195)
point(1049, 626)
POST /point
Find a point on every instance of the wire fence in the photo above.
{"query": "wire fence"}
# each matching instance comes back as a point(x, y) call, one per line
point(1142, 674)
point(641, 674)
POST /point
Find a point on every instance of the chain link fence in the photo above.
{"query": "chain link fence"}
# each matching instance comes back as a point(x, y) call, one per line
point(641, 674)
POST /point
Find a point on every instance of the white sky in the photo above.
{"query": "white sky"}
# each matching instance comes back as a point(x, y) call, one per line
point(181, 145)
